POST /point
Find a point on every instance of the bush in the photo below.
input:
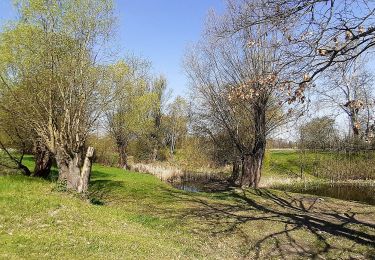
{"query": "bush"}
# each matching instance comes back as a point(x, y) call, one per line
point(105, 150)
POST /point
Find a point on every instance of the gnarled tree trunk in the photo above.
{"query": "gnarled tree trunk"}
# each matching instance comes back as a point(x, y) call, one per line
point(251, 169)
point(253, 160)
point(70, 171)
point(86, 171)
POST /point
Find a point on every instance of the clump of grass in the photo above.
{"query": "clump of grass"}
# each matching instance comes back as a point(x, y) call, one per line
point(172, 173)
point(163, 172)
point(96, 201)
point(271, 181)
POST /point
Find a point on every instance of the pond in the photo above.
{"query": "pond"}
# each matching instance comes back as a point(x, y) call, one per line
point(364, 193)
point(202, 185)
point(185, 186)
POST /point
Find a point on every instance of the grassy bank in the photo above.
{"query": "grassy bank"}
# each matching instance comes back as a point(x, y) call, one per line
point(133, 215)
point(337, 166)
point(282, 167)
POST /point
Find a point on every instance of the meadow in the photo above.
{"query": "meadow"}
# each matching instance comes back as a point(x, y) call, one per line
point(133, 215)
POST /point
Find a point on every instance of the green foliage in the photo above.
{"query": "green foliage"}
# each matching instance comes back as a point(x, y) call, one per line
point(105, 150)
point(194, 154)
point(89, 15)
point(319, 133)
point(50, 50)
point(129, 114)
point(141, 148)
point(175, 123)
point(330, 165)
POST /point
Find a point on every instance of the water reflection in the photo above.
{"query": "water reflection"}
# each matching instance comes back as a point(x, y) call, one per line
point(355, 192)
point(190, 187)
point(202, 186)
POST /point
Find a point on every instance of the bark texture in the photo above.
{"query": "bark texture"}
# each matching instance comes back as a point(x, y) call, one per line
point(253, 160)
point(123, 155)
point(70, 171)
point(251, 170)
point(235, 171)
point(86, 171)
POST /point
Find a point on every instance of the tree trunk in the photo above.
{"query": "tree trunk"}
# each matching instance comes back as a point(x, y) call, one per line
point(253, 160)
point(251, 170)
point(235, 171)
point(86, 171)
point(24, 169)
point(123, 155)
point(154, 154)
point(43, 161)
point(355, 130)
point(70, 170)
point(74, 175)
point(173, 145)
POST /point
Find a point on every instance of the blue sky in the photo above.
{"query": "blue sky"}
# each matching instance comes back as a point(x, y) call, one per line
point(159, 30)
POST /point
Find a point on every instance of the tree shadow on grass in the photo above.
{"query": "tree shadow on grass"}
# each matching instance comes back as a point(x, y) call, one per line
point(289, 226)
point(101, 191)
point(264, 224)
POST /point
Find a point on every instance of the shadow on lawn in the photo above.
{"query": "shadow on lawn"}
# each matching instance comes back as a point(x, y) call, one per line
point(100, 191)
point(264, 223)
point(101, 187)
point(302, 214)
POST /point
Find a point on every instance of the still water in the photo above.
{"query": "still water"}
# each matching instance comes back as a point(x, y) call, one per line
point(364, 193)
point(190, 187)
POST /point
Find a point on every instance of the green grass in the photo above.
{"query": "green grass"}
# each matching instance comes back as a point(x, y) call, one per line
point(133, 215)
point(319, 165)
point(288, 162)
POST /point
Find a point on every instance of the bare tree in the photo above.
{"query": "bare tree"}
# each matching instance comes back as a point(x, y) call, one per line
point(313, 34)
point(239, 84)
point(348, 89)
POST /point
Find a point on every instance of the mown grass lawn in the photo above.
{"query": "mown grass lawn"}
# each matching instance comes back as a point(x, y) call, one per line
point(133, 215)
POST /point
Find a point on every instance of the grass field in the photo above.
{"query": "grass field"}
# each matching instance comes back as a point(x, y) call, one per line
point(133, 215)
point(310, 165)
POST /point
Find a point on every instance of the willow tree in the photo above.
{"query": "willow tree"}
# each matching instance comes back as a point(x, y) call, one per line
point(159, 90)
point(22, 137)
point(176, 122)
point(49, 67)
point(239, 85)
point(128, 116)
